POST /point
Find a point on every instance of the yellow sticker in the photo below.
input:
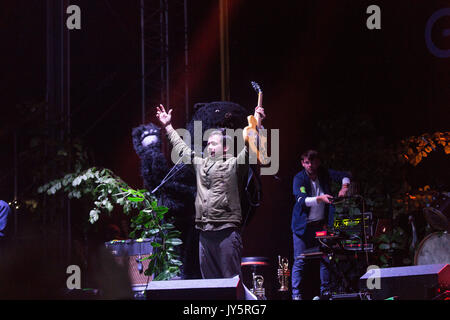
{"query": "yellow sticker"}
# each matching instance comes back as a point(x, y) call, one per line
point(302, 189)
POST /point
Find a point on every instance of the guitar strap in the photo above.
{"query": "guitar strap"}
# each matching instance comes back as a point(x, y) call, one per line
point(249, 196)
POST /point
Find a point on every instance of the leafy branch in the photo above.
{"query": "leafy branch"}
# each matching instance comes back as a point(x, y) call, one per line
point(417, 148)
point(107, 190)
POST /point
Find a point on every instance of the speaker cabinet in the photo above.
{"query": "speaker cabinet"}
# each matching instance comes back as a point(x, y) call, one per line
point(407, 283)
point(196, 289)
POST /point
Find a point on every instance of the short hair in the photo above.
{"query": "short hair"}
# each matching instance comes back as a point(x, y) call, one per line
point(310, 155)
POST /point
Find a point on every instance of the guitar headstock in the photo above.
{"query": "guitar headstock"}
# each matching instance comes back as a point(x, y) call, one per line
point(256, 86)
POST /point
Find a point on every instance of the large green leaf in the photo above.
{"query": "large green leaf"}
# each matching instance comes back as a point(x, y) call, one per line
point(152, 232)
point(156, 244)
point(176, 262)
point(167, 226)
point(135, 199)
point(174, 241)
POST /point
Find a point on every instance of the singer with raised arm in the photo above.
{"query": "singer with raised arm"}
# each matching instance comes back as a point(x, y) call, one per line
point(313, 211)
point(220, 181)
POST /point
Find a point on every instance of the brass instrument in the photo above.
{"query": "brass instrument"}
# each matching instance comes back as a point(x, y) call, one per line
point(258, 289)
point(283, 273)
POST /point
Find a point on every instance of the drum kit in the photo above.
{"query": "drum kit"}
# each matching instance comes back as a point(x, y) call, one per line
point(435, 247)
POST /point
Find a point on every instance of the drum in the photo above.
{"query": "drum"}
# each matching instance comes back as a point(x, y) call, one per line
point(434, 249)
point(128, 253)
point(438, 213)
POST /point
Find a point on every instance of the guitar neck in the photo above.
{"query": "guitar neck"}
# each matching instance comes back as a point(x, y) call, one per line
point(260, 98)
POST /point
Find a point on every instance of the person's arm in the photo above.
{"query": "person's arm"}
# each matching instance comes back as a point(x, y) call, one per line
point(344, 178)
point(299, 191)
point(314, 201)
point(345, 187)
point(260, 115)
point(4, 212)
point(179, 147)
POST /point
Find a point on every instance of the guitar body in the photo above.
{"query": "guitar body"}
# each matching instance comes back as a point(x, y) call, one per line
point(256, 141)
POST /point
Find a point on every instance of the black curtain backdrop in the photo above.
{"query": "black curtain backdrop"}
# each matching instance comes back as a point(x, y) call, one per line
point(314, 60)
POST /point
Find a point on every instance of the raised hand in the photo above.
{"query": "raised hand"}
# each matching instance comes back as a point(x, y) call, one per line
point(343, 192)
point(164, 117)
point(259, 113)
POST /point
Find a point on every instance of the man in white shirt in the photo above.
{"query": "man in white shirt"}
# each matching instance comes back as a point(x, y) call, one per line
point(312, 212)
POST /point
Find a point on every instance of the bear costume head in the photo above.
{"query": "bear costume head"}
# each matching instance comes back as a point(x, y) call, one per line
point(219, 114)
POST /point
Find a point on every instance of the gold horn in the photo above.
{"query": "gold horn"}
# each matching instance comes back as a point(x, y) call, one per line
point(283, 273)
point(258, 289)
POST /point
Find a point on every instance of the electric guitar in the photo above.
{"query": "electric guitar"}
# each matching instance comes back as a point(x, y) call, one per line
point(256, 141)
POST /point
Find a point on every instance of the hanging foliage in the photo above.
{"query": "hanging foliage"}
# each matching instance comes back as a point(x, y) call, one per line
point(415, 149)
point(107, 191)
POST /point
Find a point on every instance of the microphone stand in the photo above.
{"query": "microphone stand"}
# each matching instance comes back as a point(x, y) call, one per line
point(169, 175)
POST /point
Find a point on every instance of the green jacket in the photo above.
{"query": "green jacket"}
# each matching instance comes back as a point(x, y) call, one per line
point(220, 182)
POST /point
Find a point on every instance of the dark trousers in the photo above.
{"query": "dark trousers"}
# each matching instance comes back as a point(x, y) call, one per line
point(189, 251)
point(220, 253)
point(306, 241)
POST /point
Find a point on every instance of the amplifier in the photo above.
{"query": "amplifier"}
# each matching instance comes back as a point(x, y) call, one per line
point(128, 253)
